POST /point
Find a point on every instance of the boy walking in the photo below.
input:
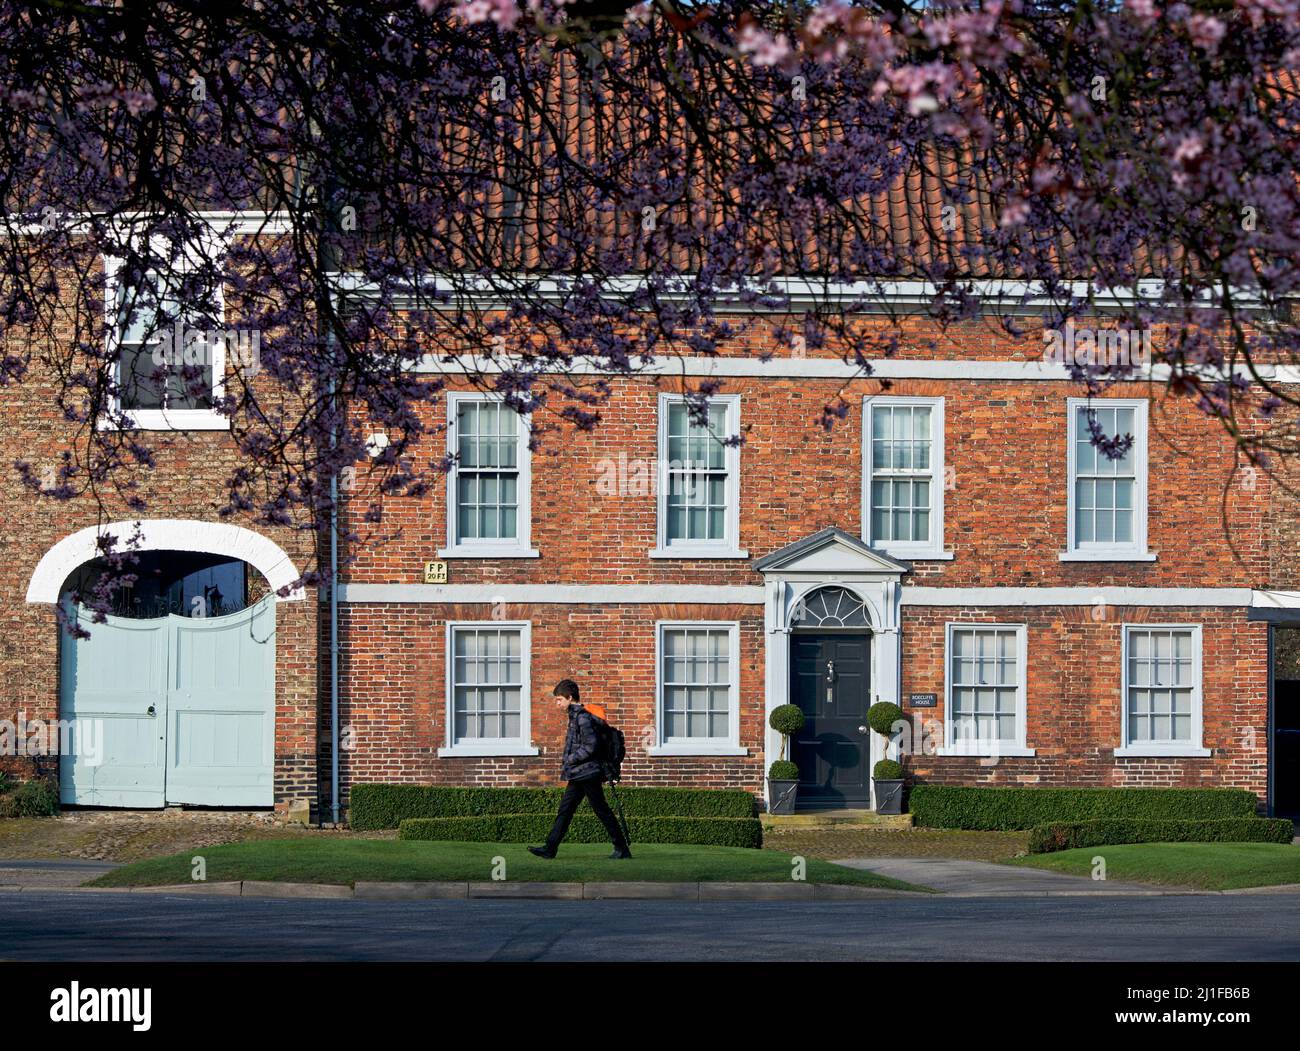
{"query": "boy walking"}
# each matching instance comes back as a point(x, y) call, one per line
point(581, 767)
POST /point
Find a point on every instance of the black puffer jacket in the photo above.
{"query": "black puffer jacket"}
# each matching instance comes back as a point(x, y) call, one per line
point(580, 745)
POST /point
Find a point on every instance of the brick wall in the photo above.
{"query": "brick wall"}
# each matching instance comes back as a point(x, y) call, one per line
point(187, 483)
point(1074, 664)
point(1005, 524)
point(1005, 511)
point(394, 705)
point(394, 675)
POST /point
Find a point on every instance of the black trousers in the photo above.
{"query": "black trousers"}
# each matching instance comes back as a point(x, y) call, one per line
point(573, 796)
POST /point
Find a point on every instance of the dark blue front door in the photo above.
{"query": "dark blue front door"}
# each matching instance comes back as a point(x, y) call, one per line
point(830, 679)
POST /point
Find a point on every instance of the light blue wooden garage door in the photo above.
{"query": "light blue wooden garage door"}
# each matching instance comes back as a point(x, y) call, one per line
point(171, 710)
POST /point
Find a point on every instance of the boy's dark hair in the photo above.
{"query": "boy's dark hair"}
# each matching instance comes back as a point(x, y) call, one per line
point(567, 688)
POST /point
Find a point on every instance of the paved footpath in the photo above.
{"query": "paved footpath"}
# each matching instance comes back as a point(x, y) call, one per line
point(50, 872)
point(984, 879)
point(951, 877)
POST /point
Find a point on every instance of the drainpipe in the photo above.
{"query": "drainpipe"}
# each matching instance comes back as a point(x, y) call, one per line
point(330, 261)
point(334, 602)
point(329, 265)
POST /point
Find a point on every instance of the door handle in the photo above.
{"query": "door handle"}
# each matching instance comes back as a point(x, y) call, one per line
point(862, 729)
point(151, 711)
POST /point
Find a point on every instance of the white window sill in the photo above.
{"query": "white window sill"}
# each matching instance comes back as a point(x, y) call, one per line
point(1108, 556)
point(683, 750)
point(487, 551)
point(927, 554)
point(697, 552)
point(170, 420)
point(487, 751)
point(988, 751)
point(1145, 752)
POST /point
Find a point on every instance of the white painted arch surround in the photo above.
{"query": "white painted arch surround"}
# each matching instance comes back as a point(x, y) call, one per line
point(165, 534)
point(835, 561)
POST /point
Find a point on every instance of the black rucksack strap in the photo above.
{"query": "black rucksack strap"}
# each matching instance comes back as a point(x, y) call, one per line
point(618, 809)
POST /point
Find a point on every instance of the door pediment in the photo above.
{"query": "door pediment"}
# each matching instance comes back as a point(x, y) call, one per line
point(831, 553)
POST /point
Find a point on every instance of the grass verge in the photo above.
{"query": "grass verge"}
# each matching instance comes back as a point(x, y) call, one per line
point(347, 861)
point(1208, 866)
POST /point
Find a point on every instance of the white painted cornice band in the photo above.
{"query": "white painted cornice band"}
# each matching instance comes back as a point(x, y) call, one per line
point(704, 594)
point(246, 222)
point(829, 369)
point(551, 594)
point(879, 294)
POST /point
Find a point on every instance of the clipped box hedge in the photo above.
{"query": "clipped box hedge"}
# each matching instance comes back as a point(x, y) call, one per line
point(1016, 809)
point(1109, 831)
point(376, 806)
point(586, 828)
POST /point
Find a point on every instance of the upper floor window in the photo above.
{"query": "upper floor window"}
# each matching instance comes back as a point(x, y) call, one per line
point(164, 326)
point(699, 480)
point(902, 510)
point(1107, 495)
point(488, 488)
point(1162, 691)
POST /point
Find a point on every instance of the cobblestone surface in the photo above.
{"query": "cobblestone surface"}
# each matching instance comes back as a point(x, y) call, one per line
point(832, 844)
point(131, 835)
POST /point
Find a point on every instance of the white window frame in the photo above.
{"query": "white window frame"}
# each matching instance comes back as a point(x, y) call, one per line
point(1191, 749)
point(161, 419)
point(524, 745)
point(992, 749)
point(521, 546)
point(729, 545)
point(932, 547)
point(731, 746)
point(1136, 551)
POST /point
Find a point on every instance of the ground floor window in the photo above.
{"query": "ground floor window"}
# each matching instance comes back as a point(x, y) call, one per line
point(698, 689)
point(487, 689)
point(1162, 689)
point(985, 681)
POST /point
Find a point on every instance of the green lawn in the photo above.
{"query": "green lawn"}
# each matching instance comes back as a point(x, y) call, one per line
point(1209, 866)
point(347, 861)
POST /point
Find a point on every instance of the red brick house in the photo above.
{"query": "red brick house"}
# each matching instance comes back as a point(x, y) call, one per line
point(1044, 615)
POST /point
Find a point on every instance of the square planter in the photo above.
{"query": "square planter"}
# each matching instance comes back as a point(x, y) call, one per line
point(889, 796)
point(781, 796)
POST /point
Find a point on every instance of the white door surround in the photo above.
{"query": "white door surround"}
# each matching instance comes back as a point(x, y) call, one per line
point(829, 557)
point(165, 534)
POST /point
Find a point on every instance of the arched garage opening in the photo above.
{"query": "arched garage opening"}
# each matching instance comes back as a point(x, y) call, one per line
point(171, 700)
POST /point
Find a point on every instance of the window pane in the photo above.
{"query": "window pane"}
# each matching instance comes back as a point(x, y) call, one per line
point(141, 388)
point(880, 524)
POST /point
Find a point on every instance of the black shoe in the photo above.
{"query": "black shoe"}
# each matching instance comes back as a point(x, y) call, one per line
point(620, 853)
point(542, 852)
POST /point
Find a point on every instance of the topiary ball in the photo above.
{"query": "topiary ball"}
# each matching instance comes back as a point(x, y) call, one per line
point(787, 719)
point(783, 770)
point(882, 716)
point(887, 770)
